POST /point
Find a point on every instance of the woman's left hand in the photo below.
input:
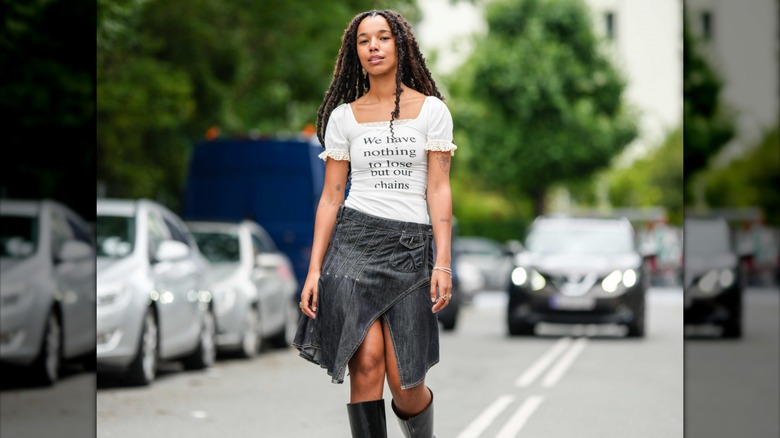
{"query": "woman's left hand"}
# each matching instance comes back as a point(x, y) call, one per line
point(441, 289)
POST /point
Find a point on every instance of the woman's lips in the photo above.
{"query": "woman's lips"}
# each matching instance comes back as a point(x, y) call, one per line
point(374, 60)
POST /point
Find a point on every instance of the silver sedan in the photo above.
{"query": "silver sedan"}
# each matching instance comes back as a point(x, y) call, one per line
point(153, 300)
point(47, 287)
point(254, 286)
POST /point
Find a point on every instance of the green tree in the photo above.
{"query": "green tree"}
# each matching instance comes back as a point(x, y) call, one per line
point(539, 102)
point(170, 70)
point(708, 125)
point(47, 100)
point(749, 181)
point(653, 180)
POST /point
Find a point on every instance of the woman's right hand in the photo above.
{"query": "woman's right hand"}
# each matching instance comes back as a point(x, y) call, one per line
point(309, 295)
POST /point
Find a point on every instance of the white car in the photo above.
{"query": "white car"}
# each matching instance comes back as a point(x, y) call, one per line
point(153, 301)
point(47, 287)
point(254, 286)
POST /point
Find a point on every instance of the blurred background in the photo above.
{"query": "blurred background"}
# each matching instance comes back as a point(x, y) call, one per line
point(649, 111)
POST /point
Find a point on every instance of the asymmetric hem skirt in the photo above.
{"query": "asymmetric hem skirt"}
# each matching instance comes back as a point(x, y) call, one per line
point(374, 267)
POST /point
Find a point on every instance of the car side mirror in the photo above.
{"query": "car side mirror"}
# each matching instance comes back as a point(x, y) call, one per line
point(170, 250)
point(74, 250)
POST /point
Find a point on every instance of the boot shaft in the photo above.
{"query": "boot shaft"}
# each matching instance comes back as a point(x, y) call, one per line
point(367, 419)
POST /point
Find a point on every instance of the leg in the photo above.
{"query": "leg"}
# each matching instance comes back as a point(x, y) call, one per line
point(413, 406)
point(367, 367)
point(367, 379)
point(410, 401)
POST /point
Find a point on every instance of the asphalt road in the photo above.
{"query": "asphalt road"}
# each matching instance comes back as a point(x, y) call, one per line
point(566, 382)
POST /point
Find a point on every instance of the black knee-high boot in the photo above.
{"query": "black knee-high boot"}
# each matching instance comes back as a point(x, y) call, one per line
point(419, 426)
point(367, 419)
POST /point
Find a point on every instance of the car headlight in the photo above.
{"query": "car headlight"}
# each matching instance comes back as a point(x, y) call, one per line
point(537, 281)
point(629, 277)
point(708, 281)
point(519, 276)
point(110, 295)
point(611, 282)
point(726, 278)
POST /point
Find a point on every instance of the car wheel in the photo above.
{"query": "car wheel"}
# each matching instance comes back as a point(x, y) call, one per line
point(250, 339)
point(143, 369)
point(521, 328)
point(448, 323)
point(45, 369)
point(733, 327)
point(284, 338)
point(206, 352)
point(636, 328)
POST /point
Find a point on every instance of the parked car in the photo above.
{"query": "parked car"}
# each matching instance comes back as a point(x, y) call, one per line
point(578, 270)
point(153, 301)
point(47, 287)
point(254, 286)
point(714, 281)
point(493, 259)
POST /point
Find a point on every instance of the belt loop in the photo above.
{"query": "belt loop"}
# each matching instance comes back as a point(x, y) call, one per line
point(340, 213)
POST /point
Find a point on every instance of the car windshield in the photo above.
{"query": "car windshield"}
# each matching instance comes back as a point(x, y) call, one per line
point(218, 247)
point(706, 238)
point(115, 236)
point(18, 236)
point(574, 239)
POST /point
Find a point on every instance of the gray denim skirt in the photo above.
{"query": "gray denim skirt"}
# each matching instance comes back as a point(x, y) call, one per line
point(373, 267)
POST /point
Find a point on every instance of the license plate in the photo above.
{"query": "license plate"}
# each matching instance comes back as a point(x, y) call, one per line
point(560, 302)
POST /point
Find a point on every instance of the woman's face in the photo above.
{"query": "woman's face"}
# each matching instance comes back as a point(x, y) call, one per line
point(376, 46)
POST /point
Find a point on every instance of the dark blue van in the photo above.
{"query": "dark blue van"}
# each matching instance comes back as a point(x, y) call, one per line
point(276, 182)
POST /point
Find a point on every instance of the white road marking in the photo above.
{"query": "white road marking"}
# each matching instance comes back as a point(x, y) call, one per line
point(521, 416)
point(542, 363)
point(564, 363)
point(486, 417)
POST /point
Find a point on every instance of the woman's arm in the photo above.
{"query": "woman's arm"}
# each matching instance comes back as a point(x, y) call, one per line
point(440, 206)
point(332, 197)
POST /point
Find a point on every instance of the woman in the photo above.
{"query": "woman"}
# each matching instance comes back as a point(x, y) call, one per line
point(372, 291)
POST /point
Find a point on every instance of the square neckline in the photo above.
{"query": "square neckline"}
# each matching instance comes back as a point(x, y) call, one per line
point(384, 122)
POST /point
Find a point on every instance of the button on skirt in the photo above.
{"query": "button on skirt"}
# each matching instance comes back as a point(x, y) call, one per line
point(374, 267)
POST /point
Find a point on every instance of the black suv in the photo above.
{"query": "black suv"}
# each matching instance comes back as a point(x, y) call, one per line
point(578, 270)
point(713, 280)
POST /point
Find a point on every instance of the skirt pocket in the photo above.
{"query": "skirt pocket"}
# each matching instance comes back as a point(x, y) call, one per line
point(409, 253)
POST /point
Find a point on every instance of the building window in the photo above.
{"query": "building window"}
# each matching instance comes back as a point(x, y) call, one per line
point(609, 25)
point(705, 18)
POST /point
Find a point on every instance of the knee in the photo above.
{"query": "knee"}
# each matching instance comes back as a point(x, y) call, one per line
point(411, 401)
point(367, 368)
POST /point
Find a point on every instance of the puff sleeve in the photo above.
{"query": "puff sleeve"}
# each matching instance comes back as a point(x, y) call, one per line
point(336, 141)
point(439, 136)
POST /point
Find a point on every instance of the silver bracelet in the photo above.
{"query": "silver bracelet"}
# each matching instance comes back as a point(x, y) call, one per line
point(442, 268)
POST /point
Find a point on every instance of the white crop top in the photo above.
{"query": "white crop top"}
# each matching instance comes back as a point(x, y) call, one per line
point(389, 174)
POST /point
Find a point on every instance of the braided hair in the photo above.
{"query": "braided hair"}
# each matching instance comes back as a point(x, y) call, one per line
point(350, 82)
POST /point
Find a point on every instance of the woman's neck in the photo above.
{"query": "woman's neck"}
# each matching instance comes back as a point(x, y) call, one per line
point(382, 88)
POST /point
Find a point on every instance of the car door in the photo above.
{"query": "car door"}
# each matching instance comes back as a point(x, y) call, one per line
point(75, 279)
point(172, 304)
point(269, 286)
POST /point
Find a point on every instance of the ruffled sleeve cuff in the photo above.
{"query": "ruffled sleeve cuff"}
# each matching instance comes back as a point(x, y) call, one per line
point(335, 154)
point(441, 146)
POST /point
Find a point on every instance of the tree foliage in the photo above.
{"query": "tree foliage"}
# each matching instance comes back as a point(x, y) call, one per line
point(708, 124)
point(749, 181)
point(170, 70)
point(47, 99)
point(539, 102)
point(653, 180)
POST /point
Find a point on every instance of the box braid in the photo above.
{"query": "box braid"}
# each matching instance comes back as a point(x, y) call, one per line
point(350, 81)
